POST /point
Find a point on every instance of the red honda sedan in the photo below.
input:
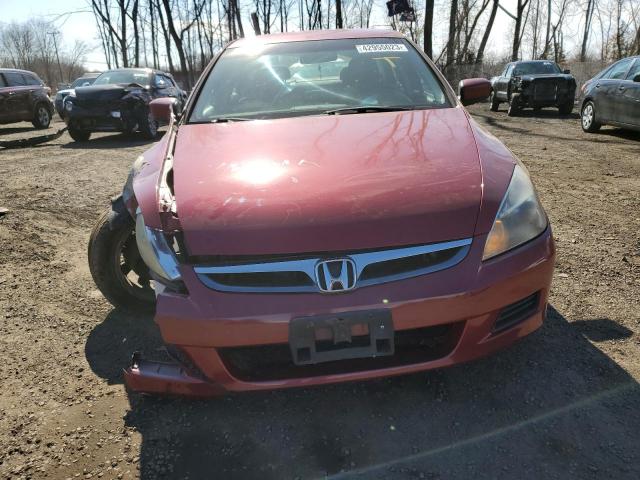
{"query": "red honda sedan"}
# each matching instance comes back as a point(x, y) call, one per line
point(323, 210)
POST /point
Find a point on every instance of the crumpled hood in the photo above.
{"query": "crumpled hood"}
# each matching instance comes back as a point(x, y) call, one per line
point(104, 93)
point(327, 183)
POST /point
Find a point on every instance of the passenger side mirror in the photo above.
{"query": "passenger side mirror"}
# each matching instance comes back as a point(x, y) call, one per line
point(566, 71)
point(473, 90)
point(162, 109)
point(637, 78)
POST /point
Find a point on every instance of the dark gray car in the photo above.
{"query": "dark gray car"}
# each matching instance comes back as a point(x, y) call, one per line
point(613, 97)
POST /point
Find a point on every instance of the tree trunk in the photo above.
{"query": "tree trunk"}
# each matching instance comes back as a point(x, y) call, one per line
point(339, 13)
point(517, 34)
point(452, 31)
point(167, 40)
point(487, 32)
point(587, 26)
point(428, 28)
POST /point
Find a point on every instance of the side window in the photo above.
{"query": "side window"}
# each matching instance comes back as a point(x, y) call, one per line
point(635, 70)
point(162, 82)
point(619, 70)
point(14, 79)
point(3, 83)
point(171, 82)
point(509, 70)
point(32, 80)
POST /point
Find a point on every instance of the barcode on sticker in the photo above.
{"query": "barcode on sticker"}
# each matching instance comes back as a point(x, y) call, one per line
point(381, 47)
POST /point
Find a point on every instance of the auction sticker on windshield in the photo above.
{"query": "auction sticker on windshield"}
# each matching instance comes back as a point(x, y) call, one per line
point(381, 47)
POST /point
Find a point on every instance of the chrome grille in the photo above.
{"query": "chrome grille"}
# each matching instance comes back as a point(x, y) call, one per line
point(302, 274)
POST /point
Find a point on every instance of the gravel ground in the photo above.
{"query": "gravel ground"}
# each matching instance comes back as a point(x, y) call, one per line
point(562, 403)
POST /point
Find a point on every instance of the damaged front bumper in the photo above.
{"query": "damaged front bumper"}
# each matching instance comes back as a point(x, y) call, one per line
point(110, 120)
point(163, 378)
point(228, 343)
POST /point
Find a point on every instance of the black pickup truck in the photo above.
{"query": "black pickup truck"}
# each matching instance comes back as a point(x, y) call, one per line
point(533, 84)
point(118, 101)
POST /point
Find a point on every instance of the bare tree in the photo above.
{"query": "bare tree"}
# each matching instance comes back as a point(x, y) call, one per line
point(518, 30)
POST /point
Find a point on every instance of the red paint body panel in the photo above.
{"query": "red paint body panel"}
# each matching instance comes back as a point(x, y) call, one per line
point(327, 182)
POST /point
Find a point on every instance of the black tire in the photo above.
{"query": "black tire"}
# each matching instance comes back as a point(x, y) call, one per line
point(566, 108)
point(115, 264)
point(514, 105)
point(493, 102)
point(149, 126)
point(41, 117)
point(79, 135)
point(588, 118)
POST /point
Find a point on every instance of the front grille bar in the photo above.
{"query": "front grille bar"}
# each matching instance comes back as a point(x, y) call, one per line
point(213, 276)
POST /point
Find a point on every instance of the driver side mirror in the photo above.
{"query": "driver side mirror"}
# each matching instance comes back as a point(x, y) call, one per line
point(162, 109)
point(473, 90)
point(566, 71)
point(637, 78)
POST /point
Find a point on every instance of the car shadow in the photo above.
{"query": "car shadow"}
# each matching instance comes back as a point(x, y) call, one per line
point(543, 113)
point(116, 140)
point(12, 130)
point(553, 405)
point(619, 133)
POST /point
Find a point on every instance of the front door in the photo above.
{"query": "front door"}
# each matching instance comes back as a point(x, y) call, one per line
point(608, 90)
point(17, 104)
point(628, 104)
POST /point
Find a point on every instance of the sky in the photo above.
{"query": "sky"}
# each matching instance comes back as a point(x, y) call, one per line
point(76, 22)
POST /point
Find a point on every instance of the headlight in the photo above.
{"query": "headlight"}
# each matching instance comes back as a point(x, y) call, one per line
point(68, 106)
point(520, 216)
point(155, 251)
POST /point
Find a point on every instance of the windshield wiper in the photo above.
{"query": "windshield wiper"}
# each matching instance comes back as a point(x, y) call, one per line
point(230, 119)
point(365, 109)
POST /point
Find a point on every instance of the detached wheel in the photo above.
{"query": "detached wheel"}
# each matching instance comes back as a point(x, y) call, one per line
point(42, 118)
point(115, 263)
point(566, 108)
point(149, 127)
point(514, 105)
point(493, 102)
point(588, 118)
point(79, 135)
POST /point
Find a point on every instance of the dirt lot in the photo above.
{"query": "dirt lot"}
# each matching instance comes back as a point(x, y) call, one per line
point(562, 403)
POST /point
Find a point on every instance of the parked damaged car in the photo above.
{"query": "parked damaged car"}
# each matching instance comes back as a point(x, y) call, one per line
point(84, 81)
point(337, 224)
point(118, 101)
point(613, 97)
point(24, 98)
point(533, 84)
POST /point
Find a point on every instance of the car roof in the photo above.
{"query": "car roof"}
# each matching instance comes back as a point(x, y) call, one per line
point(146, 69)
point(17, 70)
point(311, 35)
point(534, 61)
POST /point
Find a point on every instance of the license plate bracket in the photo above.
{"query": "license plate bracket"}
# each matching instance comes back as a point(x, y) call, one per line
point(340, 336)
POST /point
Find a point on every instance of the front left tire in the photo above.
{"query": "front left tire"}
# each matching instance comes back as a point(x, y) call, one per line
point(115, 262)
point(566, 108)
point(493, 101)
point(588, 119)
point(149, 127)
point(514, 105)
point(42, 117)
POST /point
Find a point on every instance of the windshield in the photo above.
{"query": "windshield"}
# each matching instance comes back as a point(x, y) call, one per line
point(536, 68)
point(312, 77)
point(141, 77)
